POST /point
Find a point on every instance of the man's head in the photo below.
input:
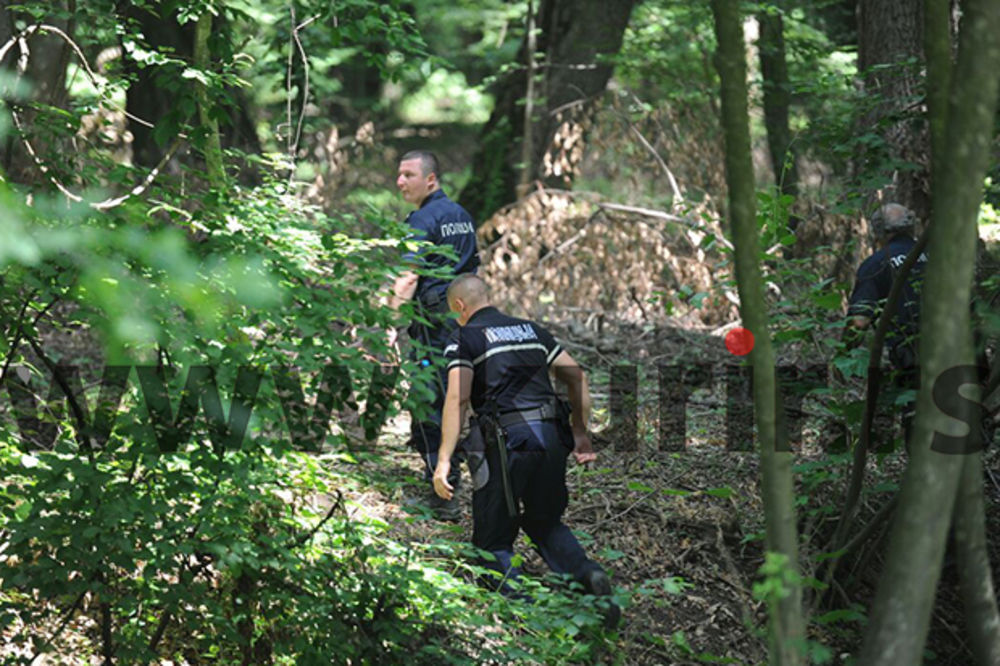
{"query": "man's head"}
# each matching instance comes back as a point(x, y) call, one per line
point(467, 294)
point(891, 219)
point(418, 176)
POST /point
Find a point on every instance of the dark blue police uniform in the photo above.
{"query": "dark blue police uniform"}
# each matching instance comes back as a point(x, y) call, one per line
point(873, 284)
point(440, 221)
point(874, 281)
point(509, 358)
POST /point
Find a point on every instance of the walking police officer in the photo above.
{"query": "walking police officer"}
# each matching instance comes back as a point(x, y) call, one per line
point(444, 223)
point(499, 364)
point(892, 227)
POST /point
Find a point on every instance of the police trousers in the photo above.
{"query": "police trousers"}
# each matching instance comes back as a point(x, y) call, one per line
point(536, 464)
point(429, 341)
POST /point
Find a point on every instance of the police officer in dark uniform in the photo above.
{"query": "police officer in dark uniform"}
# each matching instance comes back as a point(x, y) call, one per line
point(442, 222)
point(499, 364)
point(892, 226)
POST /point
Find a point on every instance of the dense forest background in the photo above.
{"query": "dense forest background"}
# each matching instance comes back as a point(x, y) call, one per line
point(202, 420)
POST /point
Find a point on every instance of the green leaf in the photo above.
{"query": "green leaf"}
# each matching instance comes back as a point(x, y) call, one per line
point(195, 74)
point(828, 300)
point(22, 511)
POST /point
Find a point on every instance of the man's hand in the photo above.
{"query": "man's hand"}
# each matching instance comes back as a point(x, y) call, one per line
point(403, 289)
point(441, 485)
point(392, 337)
point(583, 450)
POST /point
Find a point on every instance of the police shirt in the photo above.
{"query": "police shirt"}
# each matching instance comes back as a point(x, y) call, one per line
point(509, 358)
point(441, 221)
point(874, 282)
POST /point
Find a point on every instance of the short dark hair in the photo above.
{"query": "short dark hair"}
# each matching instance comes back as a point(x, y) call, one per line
point(428, 161)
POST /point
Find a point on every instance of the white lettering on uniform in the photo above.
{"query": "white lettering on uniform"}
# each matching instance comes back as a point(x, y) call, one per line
point(518, 333)
point(450, 349)
point(898, 260)
point(455, 228)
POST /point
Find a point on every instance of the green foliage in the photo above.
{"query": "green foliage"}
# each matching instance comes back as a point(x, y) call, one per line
point(220, 549)
point(666, 52)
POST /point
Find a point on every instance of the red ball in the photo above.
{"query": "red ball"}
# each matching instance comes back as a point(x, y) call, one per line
point(739, 341)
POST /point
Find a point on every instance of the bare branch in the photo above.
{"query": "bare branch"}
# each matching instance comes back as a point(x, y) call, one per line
point(21, 40)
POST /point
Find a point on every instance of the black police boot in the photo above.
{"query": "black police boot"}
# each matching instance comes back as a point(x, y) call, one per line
point(597, 583)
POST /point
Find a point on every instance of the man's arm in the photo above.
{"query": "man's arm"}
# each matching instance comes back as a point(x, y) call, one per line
point(456, 401)
point(569, 372)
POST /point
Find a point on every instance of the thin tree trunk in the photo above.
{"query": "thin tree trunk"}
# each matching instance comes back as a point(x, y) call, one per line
point(213, 144)
point(974, 573)
point(937, 54)
point(7, 32)
point(527, 143)
point(905, 597)
point(889, 38)
point(786, 621)
point(777, 98)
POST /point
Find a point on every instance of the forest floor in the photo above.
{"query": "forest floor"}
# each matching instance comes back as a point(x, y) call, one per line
point(681, 532)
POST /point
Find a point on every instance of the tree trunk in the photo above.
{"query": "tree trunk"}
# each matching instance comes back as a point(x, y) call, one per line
point(937, 53)
point(777, 98)
point(786, 619)
point(889, 35)
point(904, 600)
point(151, 101)
point(6, 67)
point(145, 99)
point(213, 146)
point(573, 36)
point(975, 575)
point(48, 57)
point(527, 142)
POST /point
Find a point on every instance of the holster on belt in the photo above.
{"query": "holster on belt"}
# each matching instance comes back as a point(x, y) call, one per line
point(494, 435)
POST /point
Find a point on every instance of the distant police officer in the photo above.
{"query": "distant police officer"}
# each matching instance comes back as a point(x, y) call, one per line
point(442, 222)
point(892, 227)
point(500, 365)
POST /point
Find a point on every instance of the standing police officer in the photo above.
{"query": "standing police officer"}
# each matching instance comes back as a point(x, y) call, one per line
point(442, 222)
point(892, 226)
point(500, 365)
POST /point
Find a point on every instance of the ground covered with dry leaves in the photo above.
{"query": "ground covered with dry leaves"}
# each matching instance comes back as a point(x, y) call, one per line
point(681, 532)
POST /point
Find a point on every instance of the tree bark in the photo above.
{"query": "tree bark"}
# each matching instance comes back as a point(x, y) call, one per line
point(974, 572)
point(48, 57)
point(777, 99)
point(213, 145)
point(6, 67)
point(527, 143)
point(890, 34)
point(904, 600)
point(937, 53)
point(151, 101)
point(786, 620)
point(573, 38)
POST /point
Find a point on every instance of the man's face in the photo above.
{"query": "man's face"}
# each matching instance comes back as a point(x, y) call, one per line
point(412, 183)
